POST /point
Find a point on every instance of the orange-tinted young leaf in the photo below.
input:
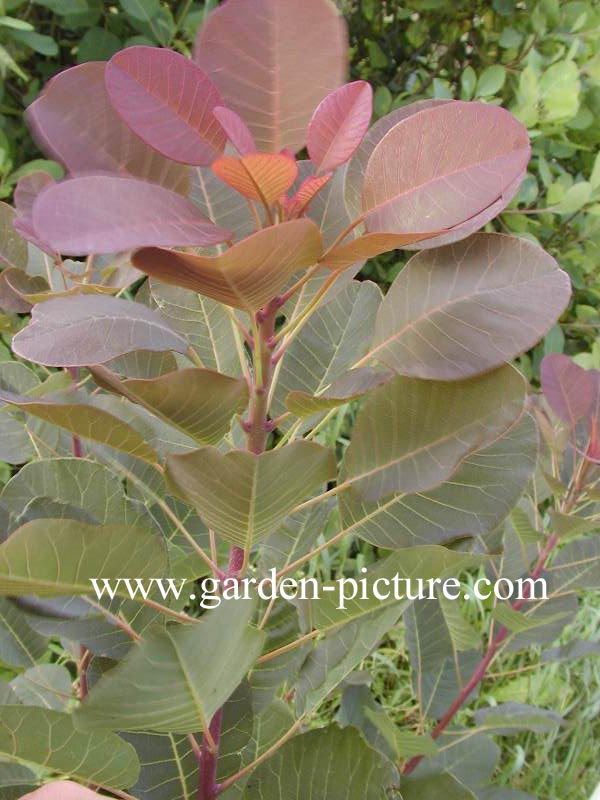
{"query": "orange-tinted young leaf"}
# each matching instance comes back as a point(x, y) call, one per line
point(273, 62)
point(339, 125)
point(307, 191)
point(247, 275)
point(368, 246)
point(258, 176)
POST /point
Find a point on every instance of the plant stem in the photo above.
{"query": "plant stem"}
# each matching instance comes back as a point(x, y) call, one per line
point(257, 431)
point(491, 652)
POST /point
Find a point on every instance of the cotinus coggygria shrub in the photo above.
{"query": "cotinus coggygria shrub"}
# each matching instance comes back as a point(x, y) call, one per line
point(171, 404)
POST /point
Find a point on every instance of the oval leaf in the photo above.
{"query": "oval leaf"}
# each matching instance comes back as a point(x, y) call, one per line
point(568, 388)
point(420, 178)
point(91, 136)
point(437, 424)
point(466, 308)
point(246, 275)
point(369, 245)
point(307, 191)
point(339, 125)
point(256, 53)
point(167, 101)
point(199, 402)
point(86, 421)
point(107, 213)
point(50, 740)
point(236, 129)
point(90, 329)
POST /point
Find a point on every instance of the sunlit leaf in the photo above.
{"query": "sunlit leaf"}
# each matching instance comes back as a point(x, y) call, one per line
point(405, 190)
point(259, 176)
point(125, 213)
point(236, 129)
point(89, 329)
point(246, 275)
point(93, 137)
point(467, 308)
point(339, 124)
point(252, 52)
point(167, 101)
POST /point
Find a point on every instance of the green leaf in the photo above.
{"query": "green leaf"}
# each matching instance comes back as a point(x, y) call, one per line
point(13, 249)
point(349, 386)
point(204, 322)
point(474, 500)
point(45, 685)
point(177, 678)
point(243, 496)
point(330, 342)
point(143, 10)
point(437, 785)
point(568, 525)
point(49, 739)
point(86, 421)
point(436, 424)
point(52, 557)
point(509, 718)
point(466, 308)
point(346, 767)
point(39, 43)
point(560, 87)
point(491, 80)
point(198, 402)
point(169, 767)
point(519, 622)
point(20, 646)
point(575, 198)
point(405, 744)
point(97, 44)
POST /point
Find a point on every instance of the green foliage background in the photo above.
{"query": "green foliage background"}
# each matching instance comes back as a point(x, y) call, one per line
point(538, 58)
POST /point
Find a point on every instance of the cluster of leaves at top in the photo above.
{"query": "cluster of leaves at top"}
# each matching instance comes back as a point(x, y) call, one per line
point(187, 425)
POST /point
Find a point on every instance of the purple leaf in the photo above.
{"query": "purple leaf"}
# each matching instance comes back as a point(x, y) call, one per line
point(92, 329)
point(74, 123)
point(339, 124)
point(28, 188)
point(236, 129)
point(569, 390)
point(106, 213)
point(273, 62)
point(167, 101)
point(442, 167)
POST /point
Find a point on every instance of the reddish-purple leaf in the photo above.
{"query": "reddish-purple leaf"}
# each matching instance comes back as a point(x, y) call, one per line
point(92, 329)
point(74, 123)
point(26, 192)
point(274, 61)
point(62, 790)
point(167, 101)
point(307, 191)
point(106, 214)
point(339, 124)
point(569, 390)
point(442, 167)
point(237, 131)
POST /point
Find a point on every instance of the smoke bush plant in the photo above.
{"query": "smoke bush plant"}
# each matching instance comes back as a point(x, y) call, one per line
point(185, 434)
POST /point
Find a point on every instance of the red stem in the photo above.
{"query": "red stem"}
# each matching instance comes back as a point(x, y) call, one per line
point(481, 669)
point(257, 431)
